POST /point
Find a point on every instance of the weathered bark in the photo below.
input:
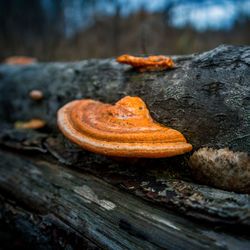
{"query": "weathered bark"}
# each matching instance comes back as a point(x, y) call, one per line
point(101, 212)
point(206, 96)
point(23, 229)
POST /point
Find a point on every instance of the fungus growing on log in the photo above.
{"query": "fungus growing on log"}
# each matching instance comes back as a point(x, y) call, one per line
point(19, 60)
point(222, 168)
point(151, 63)
point(125, 129)
point(36, 95)
point(32, 124)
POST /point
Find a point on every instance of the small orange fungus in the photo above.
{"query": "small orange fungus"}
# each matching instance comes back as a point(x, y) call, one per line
point(32, 124)
point(19, 60)
point(151, 63)
point(125, 129)
point(36, 95)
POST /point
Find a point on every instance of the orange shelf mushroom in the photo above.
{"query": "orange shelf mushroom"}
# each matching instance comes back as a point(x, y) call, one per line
point(32, 124)
point(151, 63)
point(125, 129)
point(19, 60)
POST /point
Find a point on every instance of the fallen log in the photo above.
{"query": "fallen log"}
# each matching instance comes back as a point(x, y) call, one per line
point(96, 213)
point(205, 96)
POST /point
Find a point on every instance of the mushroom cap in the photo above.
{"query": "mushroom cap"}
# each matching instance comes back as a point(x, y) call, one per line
point(32, 124)
point(36, 95)
point(125, 129)
point(222, 168)
point(150, 63)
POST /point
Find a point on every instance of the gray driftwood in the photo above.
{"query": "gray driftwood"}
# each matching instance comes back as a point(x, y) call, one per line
point(205, 96)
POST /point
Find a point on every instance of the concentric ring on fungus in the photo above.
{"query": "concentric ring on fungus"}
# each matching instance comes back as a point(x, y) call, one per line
point(125, 129)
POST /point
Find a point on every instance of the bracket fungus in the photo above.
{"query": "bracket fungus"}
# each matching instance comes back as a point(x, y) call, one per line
point(19, 60)
point(222, 168)
point(125, 129)
point(32, 124)
point(151, 63)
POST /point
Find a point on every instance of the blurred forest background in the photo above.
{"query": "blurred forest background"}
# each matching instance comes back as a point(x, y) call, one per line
point(67, 30)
